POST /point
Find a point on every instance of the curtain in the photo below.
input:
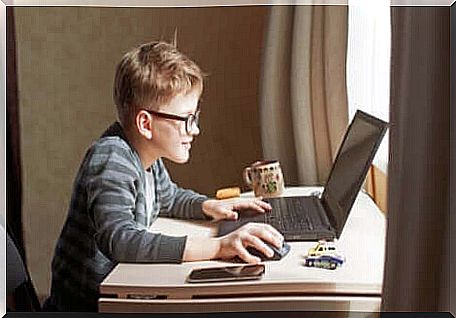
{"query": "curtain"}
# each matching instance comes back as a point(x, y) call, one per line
point(303, 96)
point(13, 154)
point(417, 265)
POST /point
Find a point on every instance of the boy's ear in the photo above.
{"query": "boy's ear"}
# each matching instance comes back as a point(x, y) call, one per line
point(144, 124)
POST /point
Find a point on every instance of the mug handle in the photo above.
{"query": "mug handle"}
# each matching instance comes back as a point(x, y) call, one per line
point(247, 177)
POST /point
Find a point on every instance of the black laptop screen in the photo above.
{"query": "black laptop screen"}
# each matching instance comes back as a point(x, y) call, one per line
point(351, 166)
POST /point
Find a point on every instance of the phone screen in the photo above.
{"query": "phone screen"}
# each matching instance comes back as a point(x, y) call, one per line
point(229, 273)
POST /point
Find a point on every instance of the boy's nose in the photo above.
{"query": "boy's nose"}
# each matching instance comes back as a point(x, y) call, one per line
point(195, 130)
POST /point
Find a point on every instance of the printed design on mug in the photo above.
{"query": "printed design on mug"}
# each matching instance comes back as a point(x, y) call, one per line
point(270, 185)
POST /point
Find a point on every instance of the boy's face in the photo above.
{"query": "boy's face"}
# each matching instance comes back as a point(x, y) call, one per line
point(170, 137)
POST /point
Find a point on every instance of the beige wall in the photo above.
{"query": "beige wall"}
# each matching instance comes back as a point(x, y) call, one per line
point(66, 61)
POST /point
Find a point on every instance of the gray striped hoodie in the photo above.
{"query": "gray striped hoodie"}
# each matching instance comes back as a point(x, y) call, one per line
point(106, 221)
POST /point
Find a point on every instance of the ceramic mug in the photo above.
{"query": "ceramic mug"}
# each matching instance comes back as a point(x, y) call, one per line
point(265, 178)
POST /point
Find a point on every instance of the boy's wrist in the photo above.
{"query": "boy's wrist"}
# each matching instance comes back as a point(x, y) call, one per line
point(215, 242)
point(205, 207)
point(199, 248)
point(217, 248)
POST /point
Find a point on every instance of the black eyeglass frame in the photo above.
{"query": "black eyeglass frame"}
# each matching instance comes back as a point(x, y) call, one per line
point(190, 120)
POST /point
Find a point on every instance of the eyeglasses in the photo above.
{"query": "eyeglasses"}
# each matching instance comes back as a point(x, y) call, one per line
point(190, 120)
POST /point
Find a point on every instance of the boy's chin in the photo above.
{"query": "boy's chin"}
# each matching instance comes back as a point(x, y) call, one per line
point(183, 159)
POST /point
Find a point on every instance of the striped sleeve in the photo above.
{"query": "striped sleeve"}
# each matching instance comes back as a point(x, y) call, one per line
point(112, 188)
point(175, 201)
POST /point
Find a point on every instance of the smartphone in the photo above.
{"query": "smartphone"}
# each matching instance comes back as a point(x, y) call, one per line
point(226, 273)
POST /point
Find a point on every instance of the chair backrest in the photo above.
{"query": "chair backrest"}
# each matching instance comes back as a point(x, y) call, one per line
point(21, 294)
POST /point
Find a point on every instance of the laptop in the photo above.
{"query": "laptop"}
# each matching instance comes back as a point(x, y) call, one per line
point(316, 217)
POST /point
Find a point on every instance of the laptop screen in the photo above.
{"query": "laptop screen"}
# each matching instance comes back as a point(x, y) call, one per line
point(350, 168)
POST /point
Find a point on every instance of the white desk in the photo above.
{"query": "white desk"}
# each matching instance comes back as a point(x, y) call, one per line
point(287, 284)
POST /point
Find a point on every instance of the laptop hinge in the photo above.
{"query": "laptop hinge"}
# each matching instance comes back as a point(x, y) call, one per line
point(329, 215)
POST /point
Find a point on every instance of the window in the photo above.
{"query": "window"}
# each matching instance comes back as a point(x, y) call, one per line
point(368, 64)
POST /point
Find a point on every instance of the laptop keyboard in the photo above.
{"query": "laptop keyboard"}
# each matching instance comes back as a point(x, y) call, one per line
point(290, 214)
point(297, 218)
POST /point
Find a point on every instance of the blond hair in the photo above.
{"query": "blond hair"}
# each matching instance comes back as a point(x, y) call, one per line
point(150, 75)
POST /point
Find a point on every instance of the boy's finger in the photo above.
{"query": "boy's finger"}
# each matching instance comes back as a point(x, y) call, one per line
point(259, 245)
point(267, 233)
point(261, 206)
point(250, 205)
point(230, 215)
point(264, 205)
point(247, 257)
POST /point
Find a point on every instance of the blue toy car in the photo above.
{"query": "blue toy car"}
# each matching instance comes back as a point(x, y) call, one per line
point(324, 255)
point(324, 261)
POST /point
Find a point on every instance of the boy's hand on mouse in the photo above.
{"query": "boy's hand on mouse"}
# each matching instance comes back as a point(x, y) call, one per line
point(228, 208)
point(251, 234)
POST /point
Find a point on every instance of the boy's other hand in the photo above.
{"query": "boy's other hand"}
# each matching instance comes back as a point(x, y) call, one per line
point(228, 209)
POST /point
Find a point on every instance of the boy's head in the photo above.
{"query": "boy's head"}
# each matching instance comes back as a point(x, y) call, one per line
point(150, 76)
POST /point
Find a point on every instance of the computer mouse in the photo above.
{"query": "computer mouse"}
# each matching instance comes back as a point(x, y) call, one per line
point(278, 253)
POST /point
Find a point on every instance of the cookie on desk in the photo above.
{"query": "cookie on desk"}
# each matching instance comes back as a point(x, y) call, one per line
point(227, 193)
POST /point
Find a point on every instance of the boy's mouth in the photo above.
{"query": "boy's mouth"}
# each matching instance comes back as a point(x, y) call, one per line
point(187, 145)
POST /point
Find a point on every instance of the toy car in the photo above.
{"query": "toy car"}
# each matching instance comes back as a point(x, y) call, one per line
point(324, 261)
point(324, 255)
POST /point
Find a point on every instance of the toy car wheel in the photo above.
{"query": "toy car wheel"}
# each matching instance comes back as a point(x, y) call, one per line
point(310, 263)
point(333, 265)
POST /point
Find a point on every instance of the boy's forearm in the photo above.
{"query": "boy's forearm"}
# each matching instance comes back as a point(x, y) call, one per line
point(201, 248)
point(188, 205)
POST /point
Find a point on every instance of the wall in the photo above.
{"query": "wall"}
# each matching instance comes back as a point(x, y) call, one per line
point(66, 62)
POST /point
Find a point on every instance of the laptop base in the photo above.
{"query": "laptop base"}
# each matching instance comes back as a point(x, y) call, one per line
point(297, 218)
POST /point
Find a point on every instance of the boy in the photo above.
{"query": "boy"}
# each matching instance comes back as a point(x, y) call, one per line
point(122, 185)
